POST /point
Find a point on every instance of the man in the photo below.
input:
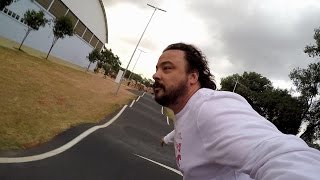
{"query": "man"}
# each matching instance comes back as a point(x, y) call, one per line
point(217, 134)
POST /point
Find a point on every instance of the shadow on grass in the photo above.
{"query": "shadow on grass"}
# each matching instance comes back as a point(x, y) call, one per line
point(38, 56)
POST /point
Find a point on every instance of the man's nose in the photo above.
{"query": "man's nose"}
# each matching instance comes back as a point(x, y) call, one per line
point(156, 75)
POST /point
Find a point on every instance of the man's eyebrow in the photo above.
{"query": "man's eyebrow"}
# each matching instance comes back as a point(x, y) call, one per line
point(165, 63)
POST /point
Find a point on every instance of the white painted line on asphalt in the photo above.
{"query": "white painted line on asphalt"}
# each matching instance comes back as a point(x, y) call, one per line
point(162, 165)
point(168, 121)
point(138, 98)
point(161, 109)
point(132, 103)
point(62, 148)
point(143, 94)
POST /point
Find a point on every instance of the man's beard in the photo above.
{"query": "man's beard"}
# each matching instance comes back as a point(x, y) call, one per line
point(170, 97)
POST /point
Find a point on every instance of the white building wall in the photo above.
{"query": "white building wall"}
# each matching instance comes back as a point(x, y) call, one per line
point(72, 49)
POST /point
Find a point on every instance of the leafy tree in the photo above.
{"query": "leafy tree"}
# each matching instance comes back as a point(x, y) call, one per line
point(34, 21)
point(248, 85)
point(136, 77)
point(116, 63)
point(4, 3)
point(283, 110)
point(93, 56)
point(62, 27)
point(276, 105)
point(314, 50)
point(127, 75)
point(147, 82)
point(107, 54)
point(307, 82)
point(106, 67)
point(113, 60)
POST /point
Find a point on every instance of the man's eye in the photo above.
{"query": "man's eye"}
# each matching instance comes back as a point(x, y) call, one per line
point(167, 68)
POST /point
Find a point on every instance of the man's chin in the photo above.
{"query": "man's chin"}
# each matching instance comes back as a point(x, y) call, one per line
point(160, 100)
point(158, 93)
point(157, 97)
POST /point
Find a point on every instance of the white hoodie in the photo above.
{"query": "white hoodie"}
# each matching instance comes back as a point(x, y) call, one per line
point(219, 136)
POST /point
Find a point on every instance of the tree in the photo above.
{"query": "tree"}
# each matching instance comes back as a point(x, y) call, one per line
point(110, 58)
point(116, 63)
point(314, 50)
point(147, 82)
point(4, 3)
point(93, 56)
point(62, 27)
point(307, 82)
point(34, 21)
point(135, 77)
point(106, 67)
point(248, 85)
point(276, 105)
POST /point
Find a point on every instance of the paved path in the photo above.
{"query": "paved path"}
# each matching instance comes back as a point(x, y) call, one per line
point(118, 151)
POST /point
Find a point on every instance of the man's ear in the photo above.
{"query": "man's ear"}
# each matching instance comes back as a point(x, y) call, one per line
point(193, 77)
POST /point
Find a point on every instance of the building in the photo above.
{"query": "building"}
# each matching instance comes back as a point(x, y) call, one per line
point(88, 17)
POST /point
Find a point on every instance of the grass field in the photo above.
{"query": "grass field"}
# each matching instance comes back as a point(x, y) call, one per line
point(41, 98)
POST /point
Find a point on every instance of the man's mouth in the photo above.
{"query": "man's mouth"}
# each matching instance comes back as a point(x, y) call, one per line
point(156, 90)
point(157, 87)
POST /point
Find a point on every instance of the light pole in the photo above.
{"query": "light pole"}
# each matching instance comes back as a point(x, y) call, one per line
point(235, 86)
point(141, 51)
point(155, 9)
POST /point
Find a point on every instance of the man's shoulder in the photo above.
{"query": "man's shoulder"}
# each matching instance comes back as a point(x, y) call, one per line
point(205, 94)
point(210, 96)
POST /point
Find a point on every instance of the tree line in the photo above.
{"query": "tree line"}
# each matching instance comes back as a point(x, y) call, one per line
point(285, 111)
point(111, 64)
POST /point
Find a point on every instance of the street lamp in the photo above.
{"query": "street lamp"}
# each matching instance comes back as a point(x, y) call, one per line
point(155, 9)
point(141, 51)
point(235, 86)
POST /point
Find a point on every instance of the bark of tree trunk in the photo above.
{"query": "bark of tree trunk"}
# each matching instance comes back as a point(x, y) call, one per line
point(53, 43)
point(25, 37)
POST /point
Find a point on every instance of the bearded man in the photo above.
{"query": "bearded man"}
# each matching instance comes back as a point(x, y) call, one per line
point(217, 134)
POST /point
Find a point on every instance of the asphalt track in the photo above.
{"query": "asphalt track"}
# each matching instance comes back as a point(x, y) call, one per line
point(128, 148)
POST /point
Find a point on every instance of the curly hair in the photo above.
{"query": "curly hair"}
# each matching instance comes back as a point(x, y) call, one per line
point(196, 61)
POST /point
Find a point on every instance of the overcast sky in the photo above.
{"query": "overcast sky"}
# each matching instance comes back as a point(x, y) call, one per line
point(267, 37)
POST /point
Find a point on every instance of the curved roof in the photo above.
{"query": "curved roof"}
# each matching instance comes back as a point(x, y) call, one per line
point(105, 19)
point(93, 16)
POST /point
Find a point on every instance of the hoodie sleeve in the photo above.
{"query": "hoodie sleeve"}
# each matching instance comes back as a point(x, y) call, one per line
point(169, 138)
point(234, 135)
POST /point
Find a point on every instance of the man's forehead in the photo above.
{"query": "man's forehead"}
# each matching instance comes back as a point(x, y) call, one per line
point(171, 56)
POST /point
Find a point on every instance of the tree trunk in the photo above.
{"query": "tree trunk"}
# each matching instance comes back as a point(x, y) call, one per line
point(53, 43)
point(88, 66)
point(25, 37)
